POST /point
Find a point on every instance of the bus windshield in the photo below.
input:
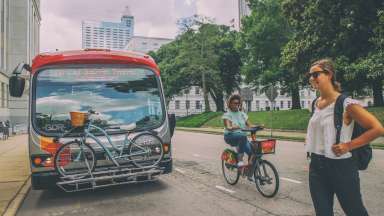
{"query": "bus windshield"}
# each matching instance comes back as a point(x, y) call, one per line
point(122, 96)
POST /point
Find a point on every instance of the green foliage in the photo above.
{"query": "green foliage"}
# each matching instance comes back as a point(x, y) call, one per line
point(196, 120)
point(350, 32)
point(201, 48)
point(264, 33)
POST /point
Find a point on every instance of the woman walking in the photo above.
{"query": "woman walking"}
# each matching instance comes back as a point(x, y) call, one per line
point(332, 169)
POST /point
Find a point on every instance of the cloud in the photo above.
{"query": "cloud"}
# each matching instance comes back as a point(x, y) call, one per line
point(61, 19)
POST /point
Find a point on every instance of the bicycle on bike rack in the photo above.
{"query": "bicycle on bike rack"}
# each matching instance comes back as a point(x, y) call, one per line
point(77, 159)
point(259, 170)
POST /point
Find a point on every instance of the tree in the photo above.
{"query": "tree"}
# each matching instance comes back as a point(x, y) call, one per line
point(371, 67)
point(340, 29)
point(265, 33)
point(208, 50)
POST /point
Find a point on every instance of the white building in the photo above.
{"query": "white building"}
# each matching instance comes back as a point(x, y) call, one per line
point(108, 35)
point(146, 44)
point(244, 10)
point(190, 101)
point(19, 42)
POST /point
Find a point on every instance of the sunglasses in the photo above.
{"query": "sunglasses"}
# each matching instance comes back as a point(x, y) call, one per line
point(315, 74)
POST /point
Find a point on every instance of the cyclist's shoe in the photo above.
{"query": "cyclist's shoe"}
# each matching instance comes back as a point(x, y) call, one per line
point(240, 164)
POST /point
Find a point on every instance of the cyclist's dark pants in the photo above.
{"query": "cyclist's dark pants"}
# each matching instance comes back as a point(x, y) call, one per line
point(240, 140)
point(328, 177)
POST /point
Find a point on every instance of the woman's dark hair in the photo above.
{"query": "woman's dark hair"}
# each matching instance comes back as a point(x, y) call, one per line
point(235, 97)
point(328, 66)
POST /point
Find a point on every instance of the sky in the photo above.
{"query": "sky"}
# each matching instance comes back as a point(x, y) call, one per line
point(61, 19)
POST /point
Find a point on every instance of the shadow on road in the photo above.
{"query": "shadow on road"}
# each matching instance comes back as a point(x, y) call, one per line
point(57, 197)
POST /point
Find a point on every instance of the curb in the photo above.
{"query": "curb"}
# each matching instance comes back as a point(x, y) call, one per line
point(18, 198)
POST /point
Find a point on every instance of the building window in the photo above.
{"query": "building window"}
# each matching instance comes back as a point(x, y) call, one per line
point(281, 104)
point(289, 104)
point(266, 103)
point(186, 91)
point(197, 90)
point(187, 104)
point(198, 105)
point(302, 104)
point(257, 105)
point(301, 93)
point(177, 104)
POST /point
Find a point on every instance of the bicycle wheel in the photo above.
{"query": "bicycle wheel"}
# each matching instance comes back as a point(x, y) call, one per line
point(145, 149)
point(229, 166)
point(266, 178)
point(75, 160)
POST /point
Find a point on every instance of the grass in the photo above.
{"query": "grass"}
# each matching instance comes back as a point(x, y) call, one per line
point(285, 119)
point(197, 120)
point(378, 112)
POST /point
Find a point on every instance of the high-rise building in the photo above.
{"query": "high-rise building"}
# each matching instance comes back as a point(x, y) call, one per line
point(244, 10)
point(19, 42)
point(108, 35)
point(146, 44)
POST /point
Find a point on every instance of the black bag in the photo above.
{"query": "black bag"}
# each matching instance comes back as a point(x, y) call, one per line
point(362, 155)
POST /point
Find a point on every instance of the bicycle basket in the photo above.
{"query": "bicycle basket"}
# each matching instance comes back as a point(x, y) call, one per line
point(229, 156)
point(78, 118)
point(268, 146)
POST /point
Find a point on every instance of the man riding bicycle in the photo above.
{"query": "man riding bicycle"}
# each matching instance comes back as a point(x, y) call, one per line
point(234, 121)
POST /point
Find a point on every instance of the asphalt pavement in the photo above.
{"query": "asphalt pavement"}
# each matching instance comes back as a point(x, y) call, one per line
point(196, 187)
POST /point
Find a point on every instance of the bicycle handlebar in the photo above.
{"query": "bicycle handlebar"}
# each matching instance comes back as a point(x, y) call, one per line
point(253, 129)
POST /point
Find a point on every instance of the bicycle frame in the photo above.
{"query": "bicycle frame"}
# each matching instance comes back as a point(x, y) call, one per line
point(126, 142)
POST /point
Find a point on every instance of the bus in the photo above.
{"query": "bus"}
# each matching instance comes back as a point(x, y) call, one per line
point(124, 87)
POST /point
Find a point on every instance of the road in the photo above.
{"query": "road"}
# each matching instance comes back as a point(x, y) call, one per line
point(196, 187)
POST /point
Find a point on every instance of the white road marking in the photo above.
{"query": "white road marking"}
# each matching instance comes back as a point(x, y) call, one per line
point(196, 155)
point(224, 189)
point(291, 180)
point(180, 170)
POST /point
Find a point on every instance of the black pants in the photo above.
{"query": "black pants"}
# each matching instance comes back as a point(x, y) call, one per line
point(328, 177)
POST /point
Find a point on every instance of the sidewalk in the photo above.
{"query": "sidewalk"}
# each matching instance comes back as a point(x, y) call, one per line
point(14, 173)
point(278, 134)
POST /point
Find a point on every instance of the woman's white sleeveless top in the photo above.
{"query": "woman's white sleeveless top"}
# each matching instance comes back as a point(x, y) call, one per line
point(321, 131)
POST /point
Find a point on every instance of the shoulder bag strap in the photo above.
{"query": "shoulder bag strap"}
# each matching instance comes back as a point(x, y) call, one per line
point(338, 115)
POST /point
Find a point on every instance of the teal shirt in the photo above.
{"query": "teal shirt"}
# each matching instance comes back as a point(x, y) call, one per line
point(239, 118)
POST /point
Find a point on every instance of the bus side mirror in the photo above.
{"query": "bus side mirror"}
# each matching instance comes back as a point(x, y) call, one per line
point(16, 86)
point(17, 83)
point(172, 123)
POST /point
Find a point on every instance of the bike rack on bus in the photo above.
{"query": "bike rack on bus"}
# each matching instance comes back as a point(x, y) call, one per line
point(105, 177)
